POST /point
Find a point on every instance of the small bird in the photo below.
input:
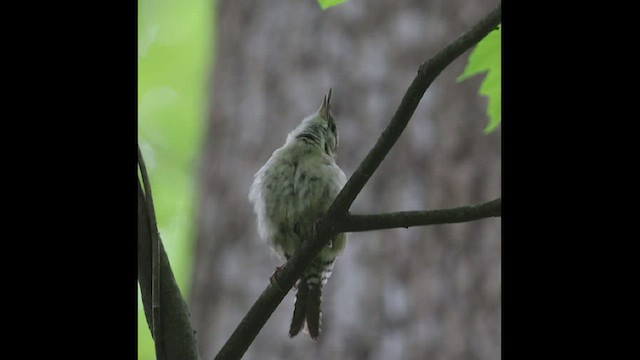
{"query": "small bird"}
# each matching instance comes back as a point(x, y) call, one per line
point(290, 193)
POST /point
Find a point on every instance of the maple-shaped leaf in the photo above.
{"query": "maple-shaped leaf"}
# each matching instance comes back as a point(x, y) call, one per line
point(486, 57)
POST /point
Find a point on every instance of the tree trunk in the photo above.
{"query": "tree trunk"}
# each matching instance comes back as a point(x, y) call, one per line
point(426, 292)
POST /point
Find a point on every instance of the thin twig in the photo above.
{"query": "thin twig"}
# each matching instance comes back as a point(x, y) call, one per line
point(262, 309)
point(406, 219)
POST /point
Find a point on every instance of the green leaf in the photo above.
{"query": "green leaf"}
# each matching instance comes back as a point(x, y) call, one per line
point(325, 4)
point(486, 57)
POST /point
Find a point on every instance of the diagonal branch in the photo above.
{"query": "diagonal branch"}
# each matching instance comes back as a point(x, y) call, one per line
point(427, 72)
point(271, 297)
point(405, 219)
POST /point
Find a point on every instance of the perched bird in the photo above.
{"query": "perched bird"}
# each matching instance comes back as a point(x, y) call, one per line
point(290, 193)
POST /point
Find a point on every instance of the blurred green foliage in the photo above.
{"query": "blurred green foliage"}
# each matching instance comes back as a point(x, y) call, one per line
point(325, 4)
point(175, 49)
point(486, 57)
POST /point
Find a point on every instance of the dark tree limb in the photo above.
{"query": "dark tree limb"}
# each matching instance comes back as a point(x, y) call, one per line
point(427, 72)
point(156, 323)
point(271, 297)
point(172, 333)
point(405, 219)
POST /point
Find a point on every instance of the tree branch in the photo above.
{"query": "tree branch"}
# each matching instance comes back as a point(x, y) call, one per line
point(406, 219)
point(427, 72)
point(172, 333)
point(156, 323)
point(262, 309)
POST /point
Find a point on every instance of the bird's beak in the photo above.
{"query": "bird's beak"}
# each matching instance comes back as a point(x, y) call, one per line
point(326, 105)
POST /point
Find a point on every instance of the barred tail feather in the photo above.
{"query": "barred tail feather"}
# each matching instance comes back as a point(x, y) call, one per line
point(309, 298)
point(314, 314)
point(300, 308)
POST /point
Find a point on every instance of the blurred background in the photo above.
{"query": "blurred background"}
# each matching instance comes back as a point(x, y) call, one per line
point(175, 52)
point(221, 83)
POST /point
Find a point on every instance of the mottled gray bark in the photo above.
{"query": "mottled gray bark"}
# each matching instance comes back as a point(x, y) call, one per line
point(432, 292)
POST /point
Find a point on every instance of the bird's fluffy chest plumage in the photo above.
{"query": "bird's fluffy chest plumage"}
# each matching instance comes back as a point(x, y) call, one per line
point(292, 191)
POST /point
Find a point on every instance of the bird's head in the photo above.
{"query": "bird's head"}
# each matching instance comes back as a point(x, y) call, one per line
point(319, 128)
